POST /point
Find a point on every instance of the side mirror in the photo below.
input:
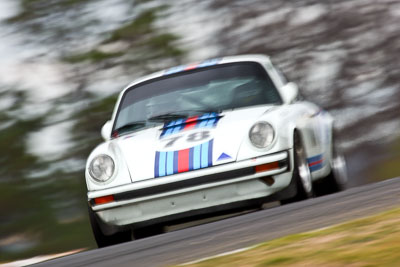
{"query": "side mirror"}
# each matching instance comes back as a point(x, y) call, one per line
point(289, 92)
point(106, 131)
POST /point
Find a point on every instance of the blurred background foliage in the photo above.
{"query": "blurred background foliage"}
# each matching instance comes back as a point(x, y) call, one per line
point(74, 56)
point(44, 200)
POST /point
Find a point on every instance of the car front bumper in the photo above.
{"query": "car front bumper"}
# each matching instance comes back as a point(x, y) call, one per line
point(202, 189)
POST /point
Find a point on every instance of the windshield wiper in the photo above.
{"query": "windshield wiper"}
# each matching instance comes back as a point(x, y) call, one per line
point(168, 116)
point(129, 127)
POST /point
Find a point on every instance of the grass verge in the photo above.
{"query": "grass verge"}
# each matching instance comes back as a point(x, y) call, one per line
point(372, 241)
point(390, 167)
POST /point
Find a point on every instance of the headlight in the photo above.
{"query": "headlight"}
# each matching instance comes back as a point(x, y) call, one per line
point(261, 134)
point(102, 168)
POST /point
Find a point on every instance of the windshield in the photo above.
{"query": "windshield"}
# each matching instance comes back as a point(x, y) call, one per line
point(211, 89)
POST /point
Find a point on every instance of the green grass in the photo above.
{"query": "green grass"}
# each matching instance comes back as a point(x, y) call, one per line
point(390, 167)
point(372, 241)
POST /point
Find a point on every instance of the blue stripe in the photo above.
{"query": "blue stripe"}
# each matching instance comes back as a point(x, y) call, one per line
point(196, 157)
point(170, 162)
point(191, 159)
point(176, 129)
point(315, 158)
point(176, 161)
point(205, 116)
point(157, 164)
point(170, 124)
point(210, 123)
point(181, 123)
point(202, 123)
point(168, 132)
point(316, 167)
point(208, 62)
point(174, 70)
point(170, 129)
point(210, 150)
point(161, 171)
point(204, 155)
point(216, 120)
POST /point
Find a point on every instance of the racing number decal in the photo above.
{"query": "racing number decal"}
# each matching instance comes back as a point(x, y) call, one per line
point(198, 136)
point(193, 137)
point(172, 140)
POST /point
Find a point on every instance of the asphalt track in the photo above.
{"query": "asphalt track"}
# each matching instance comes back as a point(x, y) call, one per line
point(242, 231)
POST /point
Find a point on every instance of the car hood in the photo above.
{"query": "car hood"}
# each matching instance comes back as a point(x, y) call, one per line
point(184, 145)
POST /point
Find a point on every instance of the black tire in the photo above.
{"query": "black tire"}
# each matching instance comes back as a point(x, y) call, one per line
point(301, 172)
point(106, 240)
point(337, 179)
point(148, 231)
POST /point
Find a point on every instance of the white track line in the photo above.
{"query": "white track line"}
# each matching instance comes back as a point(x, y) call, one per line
point(219, 255)
point(38, 259)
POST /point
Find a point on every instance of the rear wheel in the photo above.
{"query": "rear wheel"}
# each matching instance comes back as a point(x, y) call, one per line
point(106, 240)
point(301, 172)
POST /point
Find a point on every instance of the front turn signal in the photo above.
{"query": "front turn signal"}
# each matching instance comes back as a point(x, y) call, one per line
point(267, 167)
point(104, 200)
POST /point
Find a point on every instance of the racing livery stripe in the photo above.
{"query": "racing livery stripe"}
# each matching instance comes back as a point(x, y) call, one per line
point(207, 120)
point(315, 163)
point(190, 123)
point(210, 123)
point(157, 164)
point(196, 157)
point(177, 128)
point(172, 162)
point(183, 162)
point(204, 155)
point(163, 157)
point(210, 149)
point(191, 150)
point(176, 162)
point(192, 66)
point(314, 158)
point(315, 167)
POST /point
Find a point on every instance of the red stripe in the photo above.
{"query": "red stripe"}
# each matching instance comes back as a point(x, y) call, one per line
point(315, 163)
point(183, 160)
point(191, 66)
point(190, 122)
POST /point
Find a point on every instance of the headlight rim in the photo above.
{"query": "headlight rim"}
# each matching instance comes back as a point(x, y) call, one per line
point(268, 146)
point(93, 177)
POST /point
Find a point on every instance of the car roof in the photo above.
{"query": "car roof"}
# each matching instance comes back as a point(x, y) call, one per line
point(201, 64)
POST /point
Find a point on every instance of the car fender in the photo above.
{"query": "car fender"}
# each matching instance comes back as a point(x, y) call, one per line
point(121, 174)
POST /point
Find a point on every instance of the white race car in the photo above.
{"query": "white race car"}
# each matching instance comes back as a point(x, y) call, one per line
point(206, 138)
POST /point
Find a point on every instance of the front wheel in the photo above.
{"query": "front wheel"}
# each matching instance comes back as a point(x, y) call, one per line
point(301, 172)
